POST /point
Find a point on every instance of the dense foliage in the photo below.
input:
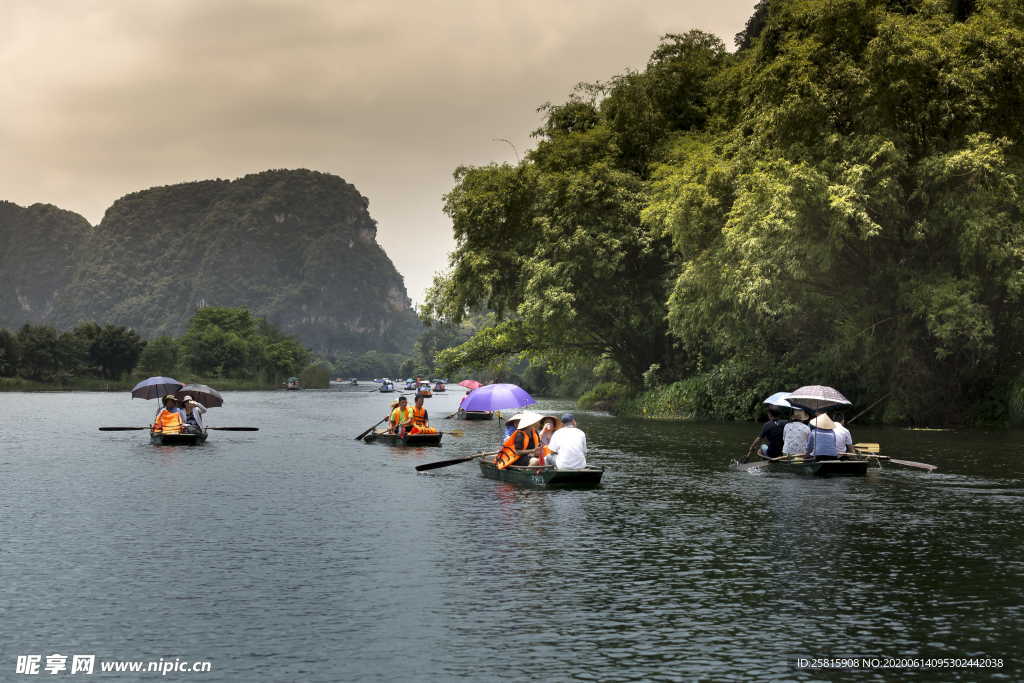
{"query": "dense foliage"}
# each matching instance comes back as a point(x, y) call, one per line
point(838, 202)
point(297, 248)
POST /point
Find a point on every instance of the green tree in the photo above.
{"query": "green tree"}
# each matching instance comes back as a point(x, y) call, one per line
point(41, 353)
point(10, 356)
point(160, 356)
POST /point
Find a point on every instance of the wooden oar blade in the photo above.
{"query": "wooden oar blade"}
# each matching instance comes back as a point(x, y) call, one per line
point(916, 465)
point(444, 463)
point(122, 429)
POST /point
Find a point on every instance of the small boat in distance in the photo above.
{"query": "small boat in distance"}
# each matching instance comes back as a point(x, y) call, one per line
point(542, 477)
point(386, 387)
point(852, 467)
point(432, 439)
point(354, 382)
point(293, 384)
point(424, 390)
point(177, 439)
point(439, 387)
point(474, 414)
point(410, 385)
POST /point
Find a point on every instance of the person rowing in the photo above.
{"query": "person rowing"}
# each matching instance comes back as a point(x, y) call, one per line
point(401, 417)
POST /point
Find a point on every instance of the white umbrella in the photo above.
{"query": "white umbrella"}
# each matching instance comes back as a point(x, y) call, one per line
point(779, 398)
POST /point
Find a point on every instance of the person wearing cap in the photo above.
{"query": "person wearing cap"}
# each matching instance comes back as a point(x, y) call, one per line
point(822, 443)
point(194, 411)
point(170, 418)
point(524, 438)
point(795, 434)
point(569, 445)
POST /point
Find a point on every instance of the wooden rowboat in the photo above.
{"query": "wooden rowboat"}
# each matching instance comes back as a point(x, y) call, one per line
point(408, 440)
point(475, 414)
point(182, 439)
point(542, 477)
point(854, 467)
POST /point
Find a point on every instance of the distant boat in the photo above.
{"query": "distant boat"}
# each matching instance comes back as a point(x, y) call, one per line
point(439, 387)
point(386, 387)
point(354, 382)
point(293, 383)
point(424, 390)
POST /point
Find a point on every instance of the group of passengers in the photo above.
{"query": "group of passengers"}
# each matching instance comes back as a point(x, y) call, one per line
point(180, 417)
point(406, 419)
point(822, 437)
point(558, 443)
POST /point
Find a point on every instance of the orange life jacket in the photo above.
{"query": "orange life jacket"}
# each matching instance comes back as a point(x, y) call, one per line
point(419, 417)
point(168, 422)
point(400, 417)
point(519, 440)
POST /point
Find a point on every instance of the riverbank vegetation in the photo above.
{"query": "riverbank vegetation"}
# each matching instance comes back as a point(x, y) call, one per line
point(838, 201)
point(227, 347)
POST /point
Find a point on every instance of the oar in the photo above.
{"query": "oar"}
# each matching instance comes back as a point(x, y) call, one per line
point(455, 432)
point(871, 450)
point(121, 429)
point(236, 429)
point(446, 463)
point(360, 437)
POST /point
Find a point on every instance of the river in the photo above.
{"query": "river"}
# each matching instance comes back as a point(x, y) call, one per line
point(299, 554)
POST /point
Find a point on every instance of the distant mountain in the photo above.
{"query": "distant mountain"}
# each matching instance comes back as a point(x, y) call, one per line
point(295, 247)
point(38, 245)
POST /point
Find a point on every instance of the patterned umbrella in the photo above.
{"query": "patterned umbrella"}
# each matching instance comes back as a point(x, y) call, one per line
point(208, 396)
point(817, 397)
point(470, 384)
point(155, 387)
point(497, 397)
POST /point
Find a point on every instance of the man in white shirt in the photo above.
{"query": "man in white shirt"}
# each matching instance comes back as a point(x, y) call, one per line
point(569, 444)
point(844, 440)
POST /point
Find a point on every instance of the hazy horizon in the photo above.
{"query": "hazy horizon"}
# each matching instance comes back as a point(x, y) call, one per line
point(104, 98)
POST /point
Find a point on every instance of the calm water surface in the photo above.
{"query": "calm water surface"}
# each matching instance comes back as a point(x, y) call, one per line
point(298, 554)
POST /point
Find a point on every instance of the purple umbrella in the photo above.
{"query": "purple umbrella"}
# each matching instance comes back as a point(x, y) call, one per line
point(155, 387)
point(497, 397)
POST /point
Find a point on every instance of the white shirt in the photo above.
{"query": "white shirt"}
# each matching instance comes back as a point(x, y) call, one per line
point(843, 438)
point(570, 447)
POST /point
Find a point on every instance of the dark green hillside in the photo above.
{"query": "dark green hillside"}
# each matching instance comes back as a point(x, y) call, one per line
point(295, 247)
point(37, 250)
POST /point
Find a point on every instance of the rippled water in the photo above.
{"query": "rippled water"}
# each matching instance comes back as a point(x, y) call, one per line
point(297, 553)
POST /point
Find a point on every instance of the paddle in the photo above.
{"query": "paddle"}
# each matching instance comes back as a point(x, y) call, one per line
point(360, 437)
point(455, 432)
point(236, 429)
point(121, 429)
point(446, 463)
point(872, 450)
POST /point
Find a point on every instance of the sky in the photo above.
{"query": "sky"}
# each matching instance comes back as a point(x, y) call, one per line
point(99, 98)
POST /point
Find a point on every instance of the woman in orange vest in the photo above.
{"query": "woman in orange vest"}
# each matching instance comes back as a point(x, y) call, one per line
point(525, 438)
point(168, 420)
point(419, 419)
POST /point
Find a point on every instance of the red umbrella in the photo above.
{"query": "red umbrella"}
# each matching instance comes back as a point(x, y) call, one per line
point(470, 384)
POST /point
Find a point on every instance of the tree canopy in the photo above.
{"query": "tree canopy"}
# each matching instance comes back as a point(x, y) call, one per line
point(837, 202)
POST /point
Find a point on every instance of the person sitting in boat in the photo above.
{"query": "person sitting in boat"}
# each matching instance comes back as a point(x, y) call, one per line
point(170, 418)
point(822, 443)
point(548, 425)
point(795, 434)
point(769, 442)
point(401, 417)
point(419, 419)
point(844, 439)
point(524, 438)
point(510, 424)
point(194, 411)
point(568, 446)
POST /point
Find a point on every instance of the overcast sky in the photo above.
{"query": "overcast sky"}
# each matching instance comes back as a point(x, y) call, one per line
point(99, 98)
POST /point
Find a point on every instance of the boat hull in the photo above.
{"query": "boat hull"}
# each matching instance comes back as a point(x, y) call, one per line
point(177, 439)
point(475, 415)
point(822, 468)
point(414, 440)
point(543, 477)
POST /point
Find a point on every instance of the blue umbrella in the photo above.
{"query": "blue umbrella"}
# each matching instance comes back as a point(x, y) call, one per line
point(156, 387)
point(497, 397)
